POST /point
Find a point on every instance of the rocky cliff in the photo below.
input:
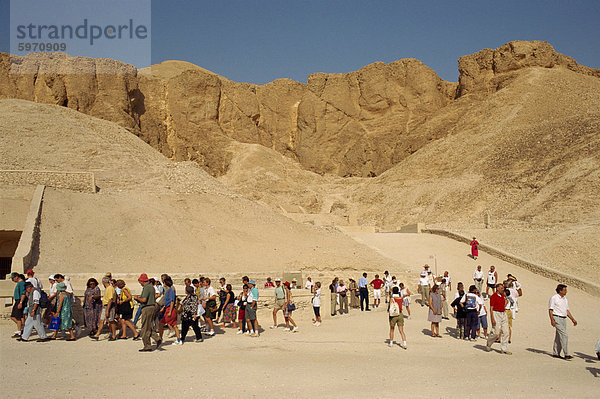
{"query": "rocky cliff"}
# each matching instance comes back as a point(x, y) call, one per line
point(353, 124)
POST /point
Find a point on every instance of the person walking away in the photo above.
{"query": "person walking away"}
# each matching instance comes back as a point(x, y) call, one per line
point(469, 302)
point(424, 288)
point(189, 315)
point(405, 294)
point(492, 280)
point(169, 318)
point(396, 318)
point(316, 302)
point(92, 306)
point(435, 311)
point(333, 295)
point(461, 313)
point(377, 283)
point(342, 291)
point(210, 296)
point(17, 314)
point(147, 301)
point(108, 314)
point(125, 309)
point(558, 310)
point(499, 320)
point(279, 300)
point(482, 319)
point(229, 310)
point(63, 310)
point(474, 248)
point(254, 291)
point(288, 309)
point(34, 319)
point(478, 278)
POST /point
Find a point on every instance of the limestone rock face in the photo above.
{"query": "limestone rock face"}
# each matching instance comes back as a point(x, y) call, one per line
point(489, 70)
point(360, 123)
point(100, 87)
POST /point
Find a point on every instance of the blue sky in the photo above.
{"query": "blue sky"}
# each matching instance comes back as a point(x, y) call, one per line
point(259, 41)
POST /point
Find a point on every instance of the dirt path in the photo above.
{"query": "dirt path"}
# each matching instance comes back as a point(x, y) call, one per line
point(346, 355)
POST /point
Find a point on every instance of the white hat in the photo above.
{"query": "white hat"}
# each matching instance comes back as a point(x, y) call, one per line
point(277, 279)
point(51, 277)
point(423, 274)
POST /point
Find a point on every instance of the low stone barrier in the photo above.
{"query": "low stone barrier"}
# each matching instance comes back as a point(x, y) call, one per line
point(77, 181)
point(545, 271)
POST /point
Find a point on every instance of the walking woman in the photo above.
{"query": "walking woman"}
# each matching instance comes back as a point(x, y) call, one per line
point(474, 248)
point(405, 294)
point(125, 310)
point(189, 316)
point(92, 306)
point(288, 308)
point(63, 310)
point(241, 303)
point(229, 311)
point(435, 310)
point(170, 313)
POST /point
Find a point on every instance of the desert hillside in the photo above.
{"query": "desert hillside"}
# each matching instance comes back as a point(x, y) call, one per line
point(151, 214)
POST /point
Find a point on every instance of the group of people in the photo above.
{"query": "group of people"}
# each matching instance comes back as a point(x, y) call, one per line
point(204, 306)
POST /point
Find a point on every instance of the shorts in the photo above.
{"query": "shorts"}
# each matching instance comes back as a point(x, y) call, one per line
point(16, 312)
point(169, 318)
point(482, 322)
point(241, 314)
point(317, 310)
point(491, 285)
point(397, 320)
point(111, 314)
point(406, 301)
point(250, 313)
point(377, 294)
point(279, 302)
point(287, 312)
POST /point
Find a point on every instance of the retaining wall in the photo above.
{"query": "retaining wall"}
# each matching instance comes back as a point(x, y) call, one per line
point(545, 271)
point(77, 181)
point(27, 251)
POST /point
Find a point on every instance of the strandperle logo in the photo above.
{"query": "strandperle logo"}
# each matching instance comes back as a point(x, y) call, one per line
point(84, 31)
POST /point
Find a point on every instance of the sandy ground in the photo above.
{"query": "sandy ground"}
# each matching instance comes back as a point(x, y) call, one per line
point(346, 355)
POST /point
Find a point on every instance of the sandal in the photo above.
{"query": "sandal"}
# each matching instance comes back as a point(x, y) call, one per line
point(71, 339)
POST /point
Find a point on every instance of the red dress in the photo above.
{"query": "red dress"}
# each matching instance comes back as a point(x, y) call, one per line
point(474, 248)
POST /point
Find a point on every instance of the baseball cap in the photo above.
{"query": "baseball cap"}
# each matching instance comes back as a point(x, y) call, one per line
point(13, 275)
point(143, 277)
point(423, 274)
point(277, 279)
point(51, 277)
point(30, 272)
point(252, 282)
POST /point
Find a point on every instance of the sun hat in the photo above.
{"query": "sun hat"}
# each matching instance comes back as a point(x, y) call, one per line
point(277, 279)
point(61, 287)
point(287, 284)
point(30, 272)
point(51, 277)
point(423, 274)
point(252, 282)
point(143, 277)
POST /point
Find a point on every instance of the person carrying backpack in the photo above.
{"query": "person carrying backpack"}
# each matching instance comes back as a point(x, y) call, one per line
point(396, 318)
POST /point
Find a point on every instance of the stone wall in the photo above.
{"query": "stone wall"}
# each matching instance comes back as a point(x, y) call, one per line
point(77, 181)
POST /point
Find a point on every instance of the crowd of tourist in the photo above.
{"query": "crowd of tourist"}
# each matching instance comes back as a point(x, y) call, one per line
point(203, 306)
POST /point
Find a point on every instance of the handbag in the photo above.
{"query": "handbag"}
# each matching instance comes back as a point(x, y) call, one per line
point(291, 307)
point(54, 323)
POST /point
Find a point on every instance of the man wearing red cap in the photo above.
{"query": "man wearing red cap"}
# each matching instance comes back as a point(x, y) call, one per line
point(147, 303)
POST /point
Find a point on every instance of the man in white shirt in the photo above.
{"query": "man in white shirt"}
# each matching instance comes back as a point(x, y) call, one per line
point(309, 284)
point(448, 280)
point(558, 310)
point(424, 288)
point(478, 278)
point(387, 284)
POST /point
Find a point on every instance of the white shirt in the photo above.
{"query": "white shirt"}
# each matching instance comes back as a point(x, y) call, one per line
point(309, 285)
point(52, 289)
point(478, 275)
point(316, 301)
point(250, 297)
point(69, 287)
point(513, 295)
point(448, 280)
point(471, 296)
point(491, 277)
point(424, 280)
point(210, 291)
point(388, 282)
point(480, 302)
point(37, 284)
point(559, 305)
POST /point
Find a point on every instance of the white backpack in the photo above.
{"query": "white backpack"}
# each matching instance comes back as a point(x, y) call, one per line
point(394, 309)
